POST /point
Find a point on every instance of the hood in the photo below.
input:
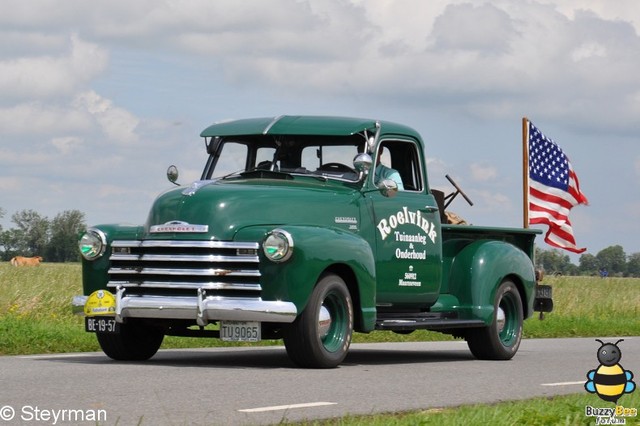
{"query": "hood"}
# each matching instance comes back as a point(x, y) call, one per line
point(216, 210)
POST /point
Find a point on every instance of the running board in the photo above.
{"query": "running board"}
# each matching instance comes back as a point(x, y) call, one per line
point(424, 323)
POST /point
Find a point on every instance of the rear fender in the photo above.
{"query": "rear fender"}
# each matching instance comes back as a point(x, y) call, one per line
point(478, 270)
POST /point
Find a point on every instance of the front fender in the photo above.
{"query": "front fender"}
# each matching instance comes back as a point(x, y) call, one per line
point(317, 249)
point(95, 272)
point(478, 270)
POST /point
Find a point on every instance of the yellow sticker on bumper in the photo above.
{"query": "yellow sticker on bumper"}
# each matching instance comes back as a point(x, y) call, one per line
point(100, 302)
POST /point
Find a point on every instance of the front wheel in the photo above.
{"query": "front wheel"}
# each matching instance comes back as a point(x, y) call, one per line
point(321, 335)
point(501, 339)
point(135, 342)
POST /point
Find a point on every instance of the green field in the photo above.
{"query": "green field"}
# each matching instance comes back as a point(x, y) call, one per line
point(35, 317)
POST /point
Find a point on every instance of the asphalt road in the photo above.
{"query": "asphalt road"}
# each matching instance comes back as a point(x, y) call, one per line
point(251, 386)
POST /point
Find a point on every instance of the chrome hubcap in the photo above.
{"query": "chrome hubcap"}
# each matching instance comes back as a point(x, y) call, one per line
point(500, 320)
point(324, 322)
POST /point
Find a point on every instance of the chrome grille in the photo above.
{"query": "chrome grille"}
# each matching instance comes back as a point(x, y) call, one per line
point(168, 266)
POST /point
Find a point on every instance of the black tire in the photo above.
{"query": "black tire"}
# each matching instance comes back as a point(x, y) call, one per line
point(500, 340)
point(320, 336)
point(135, 342)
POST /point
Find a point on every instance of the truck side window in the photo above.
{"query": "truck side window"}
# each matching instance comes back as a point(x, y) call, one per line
point(404, 158)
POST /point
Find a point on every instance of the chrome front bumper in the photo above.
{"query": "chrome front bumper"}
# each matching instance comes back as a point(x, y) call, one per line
point(201, 308)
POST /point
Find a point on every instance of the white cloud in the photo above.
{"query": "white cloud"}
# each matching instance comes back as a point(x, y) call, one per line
point(464, 27)
point(483, 173)
point(486, 59)
point(23, 158)
point(38, 77)
point(10, 183)
point(66, 145)
point(118, 124)
point(488, 201)
point(588, 50)
point(42, 118)
point(86, 114)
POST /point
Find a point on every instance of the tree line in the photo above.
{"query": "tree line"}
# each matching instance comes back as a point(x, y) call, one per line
point(56, 240)
point(610, 261)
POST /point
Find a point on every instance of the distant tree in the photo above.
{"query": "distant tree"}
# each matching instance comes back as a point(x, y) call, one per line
point(63, 244)
point(13, 243)
point(633, 265)
point(35, 231)
point(555, 262)
point(588, 264)
point(613, 259)
point(2, 212)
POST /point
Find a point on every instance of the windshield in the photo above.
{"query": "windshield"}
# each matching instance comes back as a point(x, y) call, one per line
point(267, 156)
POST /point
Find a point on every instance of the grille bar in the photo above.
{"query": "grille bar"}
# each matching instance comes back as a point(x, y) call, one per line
point(176, 266)
point(182, 272)
point(188, 285)
point(185, 244)
point(182, 258)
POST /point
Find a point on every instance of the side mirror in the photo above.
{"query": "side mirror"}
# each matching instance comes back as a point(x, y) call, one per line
point(172, 174)
point(388, 188)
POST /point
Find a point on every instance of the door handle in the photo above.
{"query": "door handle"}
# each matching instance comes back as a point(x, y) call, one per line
point(430, 209)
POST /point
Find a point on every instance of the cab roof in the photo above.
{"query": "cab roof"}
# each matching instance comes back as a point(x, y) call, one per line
point(304, 125)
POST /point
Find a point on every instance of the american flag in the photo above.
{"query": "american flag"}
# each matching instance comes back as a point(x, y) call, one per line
point(553, 190)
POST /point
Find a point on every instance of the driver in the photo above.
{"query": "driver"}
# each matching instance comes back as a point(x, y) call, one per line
point(383, 172)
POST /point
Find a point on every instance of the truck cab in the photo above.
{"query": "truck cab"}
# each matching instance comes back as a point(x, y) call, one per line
point(307, 229)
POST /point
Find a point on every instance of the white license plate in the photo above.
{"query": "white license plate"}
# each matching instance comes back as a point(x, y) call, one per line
point(240, 331)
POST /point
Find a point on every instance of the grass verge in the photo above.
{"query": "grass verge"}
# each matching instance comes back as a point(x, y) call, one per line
point(561, 410)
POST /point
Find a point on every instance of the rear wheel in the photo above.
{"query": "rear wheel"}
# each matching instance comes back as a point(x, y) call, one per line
point(321, 335)
point(500, 340)
point(135, 342)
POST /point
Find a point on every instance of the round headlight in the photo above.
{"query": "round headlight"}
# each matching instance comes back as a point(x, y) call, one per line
point(278, 246)
point(92, 244)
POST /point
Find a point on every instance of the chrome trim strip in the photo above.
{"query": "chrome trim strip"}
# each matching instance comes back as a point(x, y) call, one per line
point(205, 308)
point(126, 243)
point(211, 272)
point(273, 123)
point(187, 285)
point(186, 243)
point(184, 258)
point(127, 257)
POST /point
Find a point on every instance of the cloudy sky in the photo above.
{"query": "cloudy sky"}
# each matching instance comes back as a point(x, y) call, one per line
point(97, 98)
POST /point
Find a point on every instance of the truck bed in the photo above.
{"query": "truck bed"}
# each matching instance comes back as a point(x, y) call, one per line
point(465, 234)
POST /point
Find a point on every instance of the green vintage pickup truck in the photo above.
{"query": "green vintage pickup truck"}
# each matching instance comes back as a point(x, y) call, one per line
point(307, 229)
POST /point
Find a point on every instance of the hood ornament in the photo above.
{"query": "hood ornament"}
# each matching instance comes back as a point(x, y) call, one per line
point(178, 226)
point(195, 186)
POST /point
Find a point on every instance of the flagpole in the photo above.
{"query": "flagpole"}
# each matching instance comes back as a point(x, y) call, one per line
point(525, 172)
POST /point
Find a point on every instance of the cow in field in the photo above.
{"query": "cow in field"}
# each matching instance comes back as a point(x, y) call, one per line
point(26, 261)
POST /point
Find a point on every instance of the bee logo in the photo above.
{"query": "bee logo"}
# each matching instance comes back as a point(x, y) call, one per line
point(609, 381)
